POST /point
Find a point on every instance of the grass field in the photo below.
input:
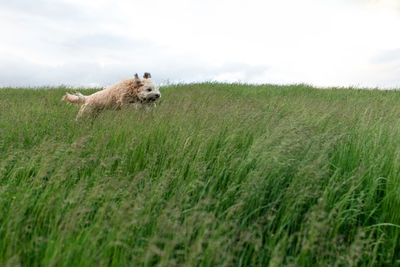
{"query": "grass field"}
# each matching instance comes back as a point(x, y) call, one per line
point(216, 175)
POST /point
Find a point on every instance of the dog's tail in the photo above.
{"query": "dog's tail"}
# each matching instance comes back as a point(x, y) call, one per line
point(77, 98)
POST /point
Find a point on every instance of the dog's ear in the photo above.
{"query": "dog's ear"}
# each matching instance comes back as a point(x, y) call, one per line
point(138, 81)
point(147, 75)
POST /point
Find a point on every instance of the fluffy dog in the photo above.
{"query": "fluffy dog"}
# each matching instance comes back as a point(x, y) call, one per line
point(129, 91)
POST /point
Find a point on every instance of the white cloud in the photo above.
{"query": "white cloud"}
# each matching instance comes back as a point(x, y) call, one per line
point(80, 42)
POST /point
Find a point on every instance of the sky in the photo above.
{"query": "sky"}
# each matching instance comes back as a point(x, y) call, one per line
point(346, 43)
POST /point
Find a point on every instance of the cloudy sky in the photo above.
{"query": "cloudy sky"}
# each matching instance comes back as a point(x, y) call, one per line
point(98, 42)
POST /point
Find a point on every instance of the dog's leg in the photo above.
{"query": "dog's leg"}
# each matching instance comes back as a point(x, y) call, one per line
point(150, 106)
point(82, 110)
point(147, 108)
point(119, 102)
point(137, 106)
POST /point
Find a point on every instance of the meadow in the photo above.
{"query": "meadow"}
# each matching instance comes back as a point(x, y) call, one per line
point(216, 175)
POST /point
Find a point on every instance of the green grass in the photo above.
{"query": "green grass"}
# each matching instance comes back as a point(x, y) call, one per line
point(216, 175)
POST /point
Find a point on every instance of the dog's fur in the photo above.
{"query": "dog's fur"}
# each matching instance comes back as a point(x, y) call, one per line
point(129, 91)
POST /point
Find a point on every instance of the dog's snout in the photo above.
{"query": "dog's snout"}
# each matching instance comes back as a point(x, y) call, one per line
point(157, 96)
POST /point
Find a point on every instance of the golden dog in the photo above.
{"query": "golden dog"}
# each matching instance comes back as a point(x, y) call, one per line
point(129, 91)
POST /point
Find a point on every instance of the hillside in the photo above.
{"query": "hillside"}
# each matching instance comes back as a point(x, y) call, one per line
point(216, 175)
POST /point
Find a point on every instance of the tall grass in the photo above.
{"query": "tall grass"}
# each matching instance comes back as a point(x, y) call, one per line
point(216, 175)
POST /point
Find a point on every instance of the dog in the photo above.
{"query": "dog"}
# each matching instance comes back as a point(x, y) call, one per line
point(129, 91)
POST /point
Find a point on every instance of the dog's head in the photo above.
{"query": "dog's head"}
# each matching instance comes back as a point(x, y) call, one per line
point(147, 91)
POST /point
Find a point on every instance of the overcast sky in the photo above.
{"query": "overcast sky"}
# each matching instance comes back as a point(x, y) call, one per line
point(98, 42)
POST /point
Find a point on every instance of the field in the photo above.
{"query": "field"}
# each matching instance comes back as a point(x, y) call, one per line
point(216, 175)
